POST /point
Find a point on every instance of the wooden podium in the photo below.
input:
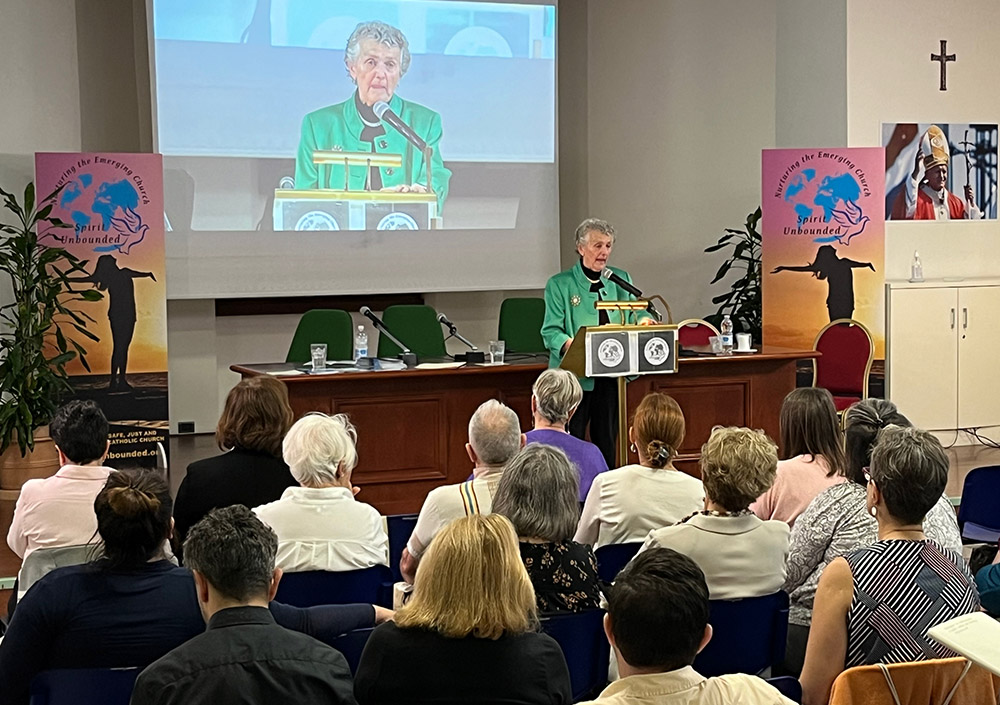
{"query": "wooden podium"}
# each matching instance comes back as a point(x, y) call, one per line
point(622, 351)
point(336, 209)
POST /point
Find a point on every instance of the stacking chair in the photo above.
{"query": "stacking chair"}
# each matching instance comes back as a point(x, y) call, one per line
point(351, 645)
point(613, 557)
point(520, 325)
point(418, 329)
point(43, 561)
point(953, 680)
point(83, 686)
point(748, 635)
point(581, 637)
point(399, 527)
point(847, 354)
point(694, 331)
point(979, 511)
point(325, 587)
point(323, 325)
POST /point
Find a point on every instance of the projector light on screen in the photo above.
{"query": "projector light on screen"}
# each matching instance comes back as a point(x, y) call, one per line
point(350, 120)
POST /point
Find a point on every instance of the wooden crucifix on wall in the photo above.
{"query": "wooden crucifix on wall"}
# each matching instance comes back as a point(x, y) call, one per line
point(943, 58)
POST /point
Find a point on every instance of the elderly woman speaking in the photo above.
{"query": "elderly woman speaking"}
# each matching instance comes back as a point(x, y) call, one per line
point(320, 526)
point(570, 299)
point(377, 56)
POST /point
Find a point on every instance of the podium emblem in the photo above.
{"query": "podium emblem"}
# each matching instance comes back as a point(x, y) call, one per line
point(316, 220)
point(656, 351)
point(397, 221)
point(610, 352)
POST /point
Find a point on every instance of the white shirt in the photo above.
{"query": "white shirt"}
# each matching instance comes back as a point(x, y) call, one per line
point(325, 529)
point(686, 686)
point(445, 504)
point(57, 511)
point(741, 556)
point(624, 505)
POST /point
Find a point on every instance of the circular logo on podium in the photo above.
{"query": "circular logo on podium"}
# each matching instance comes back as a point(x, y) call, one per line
point(317, 220)
point(610, 352)
point(656, 351)
point(397, 221)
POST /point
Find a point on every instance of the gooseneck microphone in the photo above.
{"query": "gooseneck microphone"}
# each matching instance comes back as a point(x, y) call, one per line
point(453, 329)
point(407, 356)
point(384, 113)
point(606, 273)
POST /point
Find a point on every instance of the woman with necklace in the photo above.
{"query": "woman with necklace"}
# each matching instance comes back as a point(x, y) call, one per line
point(875, 604)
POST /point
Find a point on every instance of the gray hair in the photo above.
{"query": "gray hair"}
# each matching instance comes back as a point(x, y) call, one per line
point(557, 392)
point(383, 34)
point(494, 433)
point(584, 229)
point(234, 551)
point(539, 492)
point(316, 445)
point(910, 468)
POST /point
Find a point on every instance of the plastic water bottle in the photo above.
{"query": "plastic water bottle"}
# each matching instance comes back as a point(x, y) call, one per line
point(916, 269)
point(360, 343)
point(726, 330)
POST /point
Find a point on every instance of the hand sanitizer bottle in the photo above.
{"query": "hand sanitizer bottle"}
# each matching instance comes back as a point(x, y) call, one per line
point(916, 269)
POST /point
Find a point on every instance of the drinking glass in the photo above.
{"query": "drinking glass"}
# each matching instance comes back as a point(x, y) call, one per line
point(318, 352)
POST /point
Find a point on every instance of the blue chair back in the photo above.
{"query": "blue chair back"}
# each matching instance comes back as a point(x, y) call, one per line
point(613, 557)
point(748, 635)
point(788, 686)
point(979, 511)
point(324, 587)
point(399, 527)
point(351, 645)
point(587, 652)
point(83, 686)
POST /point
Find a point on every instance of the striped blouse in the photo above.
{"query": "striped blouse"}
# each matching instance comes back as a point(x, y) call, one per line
point(901, 589)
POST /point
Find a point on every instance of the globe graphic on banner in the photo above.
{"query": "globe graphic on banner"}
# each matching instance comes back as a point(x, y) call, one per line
point(107, 202)
point(830, 193)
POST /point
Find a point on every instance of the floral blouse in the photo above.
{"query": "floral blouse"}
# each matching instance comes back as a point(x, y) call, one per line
point(564, 575)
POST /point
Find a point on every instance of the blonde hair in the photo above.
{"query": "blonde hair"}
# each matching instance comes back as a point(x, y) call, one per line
point(472, 581)
point(738, 466)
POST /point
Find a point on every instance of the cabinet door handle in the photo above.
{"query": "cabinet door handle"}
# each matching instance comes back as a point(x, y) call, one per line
point(965, 318)
point(953, 319)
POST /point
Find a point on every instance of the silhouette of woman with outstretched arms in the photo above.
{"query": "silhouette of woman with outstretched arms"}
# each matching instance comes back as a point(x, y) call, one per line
point(117, 281)
point(839, 279)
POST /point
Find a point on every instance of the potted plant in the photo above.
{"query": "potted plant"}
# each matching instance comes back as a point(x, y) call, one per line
point(742, 302)
point(38, 334)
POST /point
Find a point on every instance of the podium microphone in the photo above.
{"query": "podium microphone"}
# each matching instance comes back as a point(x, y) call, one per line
point(606, 273)
point(407, 356)
point(384, 113)
point(474, 354)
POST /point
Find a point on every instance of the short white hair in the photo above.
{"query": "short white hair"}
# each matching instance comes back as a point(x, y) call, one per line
point(383, 34)
point(494, 433)
point(557, 392)
point(595, 225)
point(316, 445)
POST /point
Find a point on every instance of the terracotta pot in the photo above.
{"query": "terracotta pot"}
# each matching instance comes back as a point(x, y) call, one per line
point(43, 461)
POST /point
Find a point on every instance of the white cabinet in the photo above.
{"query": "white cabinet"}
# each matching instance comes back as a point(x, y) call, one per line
point(941, 352)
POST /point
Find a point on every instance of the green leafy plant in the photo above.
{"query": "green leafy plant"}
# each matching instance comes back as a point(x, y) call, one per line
point(41, 326)
point(742, 302)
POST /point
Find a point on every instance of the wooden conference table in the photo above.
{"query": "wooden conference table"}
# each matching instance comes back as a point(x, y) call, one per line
point(413, 424)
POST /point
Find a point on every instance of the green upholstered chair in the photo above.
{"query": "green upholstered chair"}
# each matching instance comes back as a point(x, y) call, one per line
point(521, 325)
point(417, 327)
point(323, 325)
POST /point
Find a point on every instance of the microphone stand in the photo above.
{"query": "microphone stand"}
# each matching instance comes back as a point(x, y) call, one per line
point(474, 356)
point(407, 357)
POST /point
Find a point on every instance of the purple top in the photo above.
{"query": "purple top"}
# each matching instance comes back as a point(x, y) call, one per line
point(585, 455)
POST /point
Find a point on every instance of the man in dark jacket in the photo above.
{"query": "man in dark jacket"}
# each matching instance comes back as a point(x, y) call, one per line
point(243, 656)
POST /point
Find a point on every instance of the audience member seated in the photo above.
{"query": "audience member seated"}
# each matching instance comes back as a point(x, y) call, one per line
point(554, 398)
point(812, 446)
point(657, 622)
point(59, 511)
point(538, 493)
point(131, 606)
point(627, 503)
point(250, 471)
point(837, 522)
point(988, 583)
point(740, 554)
point(243, 656)
point(468, 633)
point(320, 526)
point(494, 437)
point(875, 604)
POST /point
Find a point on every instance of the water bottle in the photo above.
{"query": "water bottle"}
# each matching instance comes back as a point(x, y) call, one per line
point(726, 330)
point(916, 269)
point(360, 343)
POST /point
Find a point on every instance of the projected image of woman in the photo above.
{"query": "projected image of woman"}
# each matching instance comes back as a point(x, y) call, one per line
point(117, 281)
point(377, 57)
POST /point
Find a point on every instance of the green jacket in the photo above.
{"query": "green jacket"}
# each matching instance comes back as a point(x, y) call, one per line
point(338, 127)
point(569, 304)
